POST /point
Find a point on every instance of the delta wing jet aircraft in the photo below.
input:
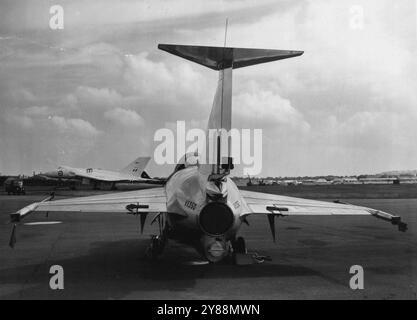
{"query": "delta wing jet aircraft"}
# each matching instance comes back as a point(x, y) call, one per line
point(200, 205)
point(132, 172)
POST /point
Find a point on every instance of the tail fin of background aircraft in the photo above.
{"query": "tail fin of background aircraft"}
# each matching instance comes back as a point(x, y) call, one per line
point(136, 167)
point(224, 60)
point(145, 175)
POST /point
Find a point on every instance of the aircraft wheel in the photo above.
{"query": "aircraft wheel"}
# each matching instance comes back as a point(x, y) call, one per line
point(239, 245)
point(155, 248)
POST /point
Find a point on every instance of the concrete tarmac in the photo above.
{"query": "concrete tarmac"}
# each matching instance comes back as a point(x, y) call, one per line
point(103, 258)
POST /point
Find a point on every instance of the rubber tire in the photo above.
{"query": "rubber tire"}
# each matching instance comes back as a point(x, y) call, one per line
point(155, 248)
point(239, 245)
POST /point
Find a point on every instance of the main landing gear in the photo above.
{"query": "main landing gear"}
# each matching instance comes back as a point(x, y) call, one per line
point(156, 247)
point(239, 250)
point(239, 245)
point(158, 242)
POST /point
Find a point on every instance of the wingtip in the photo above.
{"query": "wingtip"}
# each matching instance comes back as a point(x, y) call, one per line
point(402, 226)
point(14, 217)
point(163, 46)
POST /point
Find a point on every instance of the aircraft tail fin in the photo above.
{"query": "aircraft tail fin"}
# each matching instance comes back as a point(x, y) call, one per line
point(136, 167)
point(218, 161)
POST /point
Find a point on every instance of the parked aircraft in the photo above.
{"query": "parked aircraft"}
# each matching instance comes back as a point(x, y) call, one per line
point(99, 177)
point(200, 205)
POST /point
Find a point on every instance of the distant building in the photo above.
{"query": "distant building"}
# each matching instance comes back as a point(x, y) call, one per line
point(350, 180)
point(322, 181)
point(377, 180)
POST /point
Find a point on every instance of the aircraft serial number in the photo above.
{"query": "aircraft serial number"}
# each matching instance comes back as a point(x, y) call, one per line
point(190, 204)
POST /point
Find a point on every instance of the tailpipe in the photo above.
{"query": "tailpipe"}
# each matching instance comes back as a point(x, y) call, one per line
point(216, 218)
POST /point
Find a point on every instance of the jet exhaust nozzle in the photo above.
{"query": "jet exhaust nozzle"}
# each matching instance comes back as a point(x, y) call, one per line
point(216, 218)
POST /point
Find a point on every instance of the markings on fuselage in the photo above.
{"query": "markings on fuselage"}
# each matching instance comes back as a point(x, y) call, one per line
point(190, 204)
point(236, 204)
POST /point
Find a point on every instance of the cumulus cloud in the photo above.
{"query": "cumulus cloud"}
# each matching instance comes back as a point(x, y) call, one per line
point(126, 118)
point(172, 81)
point(264, 108)
point(38, 111)
point(373, 130)
point(350, 96)
point(75, 127)
point(19, 120)
point(100, 98)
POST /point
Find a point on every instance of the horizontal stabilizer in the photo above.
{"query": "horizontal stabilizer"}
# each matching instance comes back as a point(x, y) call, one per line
point(219, 58)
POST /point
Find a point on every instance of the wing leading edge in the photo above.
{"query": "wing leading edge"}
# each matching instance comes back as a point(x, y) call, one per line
point(134, 202)
point(275, 205)
point(140, 202)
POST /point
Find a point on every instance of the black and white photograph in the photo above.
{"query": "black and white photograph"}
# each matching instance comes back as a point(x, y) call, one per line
point(218, 152)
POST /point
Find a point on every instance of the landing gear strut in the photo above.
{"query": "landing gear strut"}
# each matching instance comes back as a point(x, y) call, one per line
point(158, 242)
point(239, 245)
point(156, 247)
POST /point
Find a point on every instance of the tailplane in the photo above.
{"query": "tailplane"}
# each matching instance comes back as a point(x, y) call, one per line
point(219, 58)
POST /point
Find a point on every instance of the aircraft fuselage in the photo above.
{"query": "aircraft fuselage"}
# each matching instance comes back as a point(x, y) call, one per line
point(212, 212)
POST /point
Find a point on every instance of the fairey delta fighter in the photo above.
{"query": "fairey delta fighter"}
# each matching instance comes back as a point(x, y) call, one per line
point(132, 172)
point(200, 205)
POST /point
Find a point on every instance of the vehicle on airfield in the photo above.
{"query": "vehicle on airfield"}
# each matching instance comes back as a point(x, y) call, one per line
point(200, 205)
point(14, 186)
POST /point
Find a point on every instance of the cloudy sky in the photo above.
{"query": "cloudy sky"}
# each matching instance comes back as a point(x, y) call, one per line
point(93, 94)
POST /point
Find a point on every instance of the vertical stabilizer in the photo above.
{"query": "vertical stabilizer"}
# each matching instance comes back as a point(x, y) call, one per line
point(224, 60)
point(136, 167)
point(218, 127)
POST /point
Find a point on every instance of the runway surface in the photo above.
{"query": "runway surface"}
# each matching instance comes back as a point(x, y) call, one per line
point(103, 258)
